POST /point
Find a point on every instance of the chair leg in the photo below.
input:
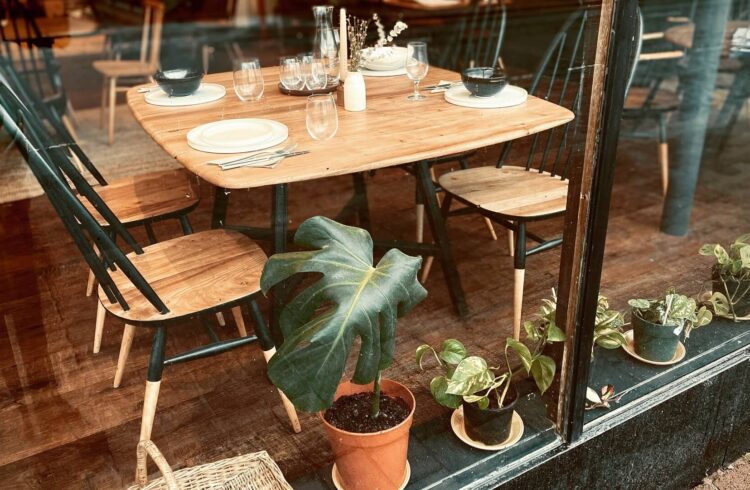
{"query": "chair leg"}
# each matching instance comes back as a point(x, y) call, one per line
point(112, 102)
point(490, 228)
point(153, 383)
point(269, 349)
point(519, 260)
point(101, 313)
point(445, 209)
point(237, 313)
point(127, 340)
point(663, 154)
point(90, 284)
point(220, 319)
point(420, 223)
point(103, 107)
point(511, 242)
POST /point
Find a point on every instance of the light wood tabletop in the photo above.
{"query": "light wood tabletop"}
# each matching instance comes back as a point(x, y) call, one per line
point(391, 131)
point(682, 35)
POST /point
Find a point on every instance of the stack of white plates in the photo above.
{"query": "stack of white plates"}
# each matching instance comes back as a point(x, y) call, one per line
point(207, 92)
point(237, 135)
point(384, 62)
point(509, 96)
point(439, 3)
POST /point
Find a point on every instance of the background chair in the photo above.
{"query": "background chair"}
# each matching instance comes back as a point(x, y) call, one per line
point(156, 286)
point(144, 67)
point(514, 196)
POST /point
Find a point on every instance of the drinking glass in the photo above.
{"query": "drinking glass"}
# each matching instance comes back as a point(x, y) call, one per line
point(321, 118)
point(248, 79)
point(416, 66)
point(290, 74)
point(314, 72)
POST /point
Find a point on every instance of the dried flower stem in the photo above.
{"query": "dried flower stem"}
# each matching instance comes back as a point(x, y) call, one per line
point(357, 34)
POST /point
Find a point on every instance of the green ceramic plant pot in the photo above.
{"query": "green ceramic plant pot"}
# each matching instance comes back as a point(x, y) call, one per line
point(740, 290)
point(490, 426)
point(653, 341)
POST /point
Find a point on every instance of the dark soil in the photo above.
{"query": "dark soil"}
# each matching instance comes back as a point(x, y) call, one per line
point(352, 413)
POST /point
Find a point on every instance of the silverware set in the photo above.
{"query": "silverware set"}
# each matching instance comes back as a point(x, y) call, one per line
point(445, 86)
point(263, 159)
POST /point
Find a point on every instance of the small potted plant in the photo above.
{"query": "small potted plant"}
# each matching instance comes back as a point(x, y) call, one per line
point(367, 419)
point(659, 323)
point(731, 278)
point(487, 393)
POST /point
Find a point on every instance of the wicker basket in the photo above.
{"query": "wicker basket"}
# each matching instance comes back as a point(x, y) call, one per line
point(255, 471)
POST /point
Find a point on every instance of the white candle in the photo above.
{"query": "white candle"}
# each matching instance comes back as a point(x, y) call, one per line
point(343, 48)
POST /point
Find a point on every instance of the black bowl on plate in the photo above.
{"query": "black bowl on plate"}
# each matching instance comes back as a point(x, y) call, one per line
point(483, 81)
point(179, 83)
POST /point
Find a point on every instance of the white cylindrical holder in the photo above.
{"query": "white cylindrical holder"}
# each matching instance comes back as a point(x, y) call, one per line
point(355, 94)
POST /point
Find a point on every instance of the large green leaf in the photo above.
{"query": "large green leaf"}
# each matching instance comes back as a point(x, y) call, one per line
point(471, 375)
point(438, 388)
point(352, 299)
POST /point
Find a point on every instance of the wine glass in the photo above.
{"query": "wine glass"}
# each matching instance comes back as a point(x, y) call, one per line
point(416, 66)
point(314, 73)
point(248, 79)
point(321, 117)
point(290, 74)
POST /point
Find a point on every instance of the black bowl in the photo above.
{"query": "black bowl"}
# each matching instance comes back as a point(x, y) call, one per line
point(483, 81)
point(179, 83)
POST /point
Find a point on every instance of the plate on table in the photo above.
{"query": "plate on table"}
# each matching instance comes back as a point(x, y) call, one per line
point(509, 96)
point(439, 3)
point(383, 73)
point(237, 135)
point(384, 59)
point(207, 92)
point(629, 347)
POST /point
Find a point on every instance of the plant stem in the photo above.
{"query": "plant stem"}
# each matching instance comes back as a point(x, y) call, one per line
point(375, 407)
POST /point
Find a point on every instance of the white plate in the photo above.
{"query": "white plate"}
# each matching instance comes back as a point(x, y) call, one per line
point(395, 59)
point(389, 73)
point(237, 135)
point(629, 347)
point(516, 431)
point(207, 92)
point(509, 96)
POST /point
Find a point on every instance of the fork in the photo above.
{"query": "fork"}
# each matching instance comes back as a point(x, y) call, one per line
point(268, 162)
point(224, 161)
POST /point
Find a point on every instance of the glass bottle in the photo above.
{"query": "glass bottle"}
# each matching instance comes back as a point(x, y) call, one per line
point(325, 43)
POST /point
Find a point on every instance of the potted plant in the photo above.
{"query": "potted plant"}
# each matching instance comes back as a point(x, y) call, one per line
point(347, 297)
point(658, 324)
point(487, 393)
point(731, 278)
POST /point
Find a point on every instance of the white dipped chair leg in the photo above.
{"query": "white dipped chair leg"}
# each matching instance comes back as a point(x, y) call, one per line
point(291, 412)
point(127, 340)
point(517, 301)
point(237, 313)
point(101, 313)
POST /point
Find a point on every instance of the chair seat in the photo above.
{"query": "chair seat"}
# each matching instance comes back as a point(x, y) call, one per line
point(191, 274)
point(664, 100)
point(124, 68)
point(510, 191)
point(147, 197)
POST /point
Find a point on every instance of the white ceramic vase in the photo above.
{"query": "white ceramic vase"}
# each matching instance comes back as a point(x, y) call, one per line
point(355, 95)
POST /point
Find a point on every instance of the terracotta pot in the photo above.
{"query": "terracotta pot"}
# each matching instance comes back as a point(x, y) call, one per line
point(653, 341)
point(374, 461)
point(490, 426)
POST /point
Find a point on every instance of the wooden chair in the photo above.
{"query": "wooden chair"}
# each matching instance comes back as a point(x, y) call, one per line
point(156, 286)
point(514, 196)
point(144, 67)
point(477, 41)
point(136, 201)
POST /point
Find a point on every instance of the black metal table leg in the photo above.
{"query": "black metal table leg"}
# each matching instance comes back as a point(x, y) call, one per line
point(279, 220)
point(360, 195)
point(221, 201)
point(441, 238)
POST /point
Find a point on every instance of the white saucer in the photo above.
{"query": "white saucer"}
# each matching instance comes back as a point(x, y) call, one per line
point(385, 73)
point(629, 347)
point(207, 92)
point(337, 483)
point(516, 431)
point(237, 135)
point(509, 96)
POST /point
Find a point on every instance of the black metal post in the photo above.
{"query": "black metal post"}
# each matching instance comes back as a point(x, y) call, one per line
point(279, 223)
point(363, 207)
point(221, 201)
point(156, 360)
point(698, 85)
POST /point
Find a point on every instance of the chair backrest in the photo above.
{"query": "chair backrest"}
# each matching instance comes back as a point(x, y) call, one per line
point(153, 20)
point(30, 54)
point(41, 110)
point(478, 37)
point(51, 165)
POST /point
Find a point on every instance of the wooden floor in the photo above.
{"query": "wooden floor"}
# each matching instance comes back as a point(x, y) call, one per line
point(62, 425)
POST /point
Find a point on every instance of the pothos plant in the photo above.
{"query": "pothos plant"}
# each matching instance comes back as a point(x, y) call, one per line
point(674, 310)
point(349, 298)
point(473, 380)
point(732, 266)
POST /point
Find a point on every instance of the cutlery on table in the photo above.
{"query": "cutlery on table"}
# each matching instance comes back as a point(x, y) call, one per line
point(266, 162)
point(252, 156)
point(445, 85)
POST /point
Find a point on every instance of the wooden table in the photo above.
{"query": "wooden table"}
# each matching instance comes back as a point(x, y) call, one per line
point(682, 35)
point(392, 131)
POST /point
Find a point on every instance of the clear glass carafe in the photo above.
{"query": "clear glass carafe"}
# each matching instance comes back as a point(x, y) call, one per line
point(325, 43)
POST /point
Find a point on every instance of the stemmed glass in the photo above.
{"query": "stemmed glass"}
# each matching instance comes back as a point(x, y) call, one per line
point(321, 117)
point(416, 66)
point(290, 73)
point(248, 79)
point(313, 72)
